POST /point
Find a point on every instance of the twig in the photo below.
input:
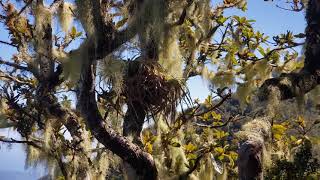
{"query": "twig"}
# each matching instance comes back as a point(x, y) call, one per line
point(11, 140)
point(216, 105)
point(25, 7)
point(14, 65)
point(270, 52)
point(294, 8)
point(12, 78)
point(54, 6)
point(9, 44)
point(231, 119)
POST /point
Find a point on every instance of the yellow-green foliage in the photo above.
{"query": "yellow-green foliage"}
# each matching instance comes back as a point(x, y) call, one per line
point(66, 16)
point(175, 155)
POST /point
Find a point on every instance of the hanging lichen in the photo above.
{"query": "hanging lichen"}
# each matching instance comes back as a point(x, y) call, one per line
point(43, 18)
point(112, 70)
point(170, 57)
point(66, 16)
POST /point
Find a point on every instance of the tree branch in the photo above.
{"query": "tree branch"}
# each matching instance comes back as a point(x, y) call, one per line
point(25, 7)
point(14, 65)
point(297, 84)
point(141, 161)
point(11, 140)
point(9, 44)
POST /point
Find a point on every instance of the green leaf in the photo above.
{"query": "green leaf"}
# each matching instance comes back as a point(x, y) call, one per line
point(261, 51)
point(216, 115)
point(278, 131)
point(219, 150)
point(208, 101)
point(190, 147)
point(73, 33)
point(175, 144)
point(221, 20)
point(221, 158)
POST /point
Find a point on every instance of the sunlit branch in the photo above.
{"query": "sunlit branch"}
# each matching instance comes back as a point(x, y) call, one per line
point(269, 54)
point(294, 8)
point(17, 80)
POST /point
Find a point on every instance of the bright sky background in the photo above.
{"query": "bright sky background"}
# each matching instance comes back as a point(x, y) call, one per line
point(269, 20)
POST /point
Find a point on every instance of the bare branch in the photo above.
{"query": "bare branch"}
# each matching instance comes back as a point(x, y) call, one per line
point(14, 141)
point(9, 44)
point(25, 7)
point(14, 65)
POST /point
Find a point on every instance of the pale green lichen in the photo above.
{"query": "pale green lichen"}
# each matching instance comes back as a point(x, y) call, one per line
point(43, 19)
point(66, 16)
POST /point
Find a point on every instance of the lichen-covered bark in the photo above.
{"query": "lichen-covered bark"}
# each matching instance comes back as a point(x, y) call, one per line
point(103, 40)
point(140, 160)
point(250, 161)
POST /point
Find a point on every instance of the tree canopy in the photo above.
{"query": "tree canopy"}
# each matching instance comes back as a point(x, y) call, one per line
point(118, 106)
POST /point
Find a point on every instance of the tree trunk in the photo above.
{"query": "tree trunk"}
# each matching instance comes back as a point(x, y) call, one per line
point(133, 121)
point(250, 161)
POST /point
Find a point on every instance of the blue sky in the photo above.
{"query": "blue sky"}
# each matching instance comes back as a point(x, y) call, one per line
point(269, 19)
